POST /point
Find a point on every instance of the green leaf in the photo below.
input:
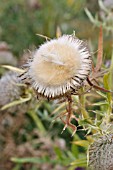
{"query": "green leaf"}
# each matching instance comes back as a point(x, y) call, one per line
point(59, 153)
point(91, 18)
point(37, 120)
point(33, 160)
point(16, 102)
point(98, 112)
point(107, 86)
point(74, 148)
point(70, 156)
point(100, 103)
point(17, 167)
point(103, 7)
point(83, 143)
point(101, 94)
point(109, 97)
point(111, 72)
point(83, 122)
point(80, 162)
point(59, 108)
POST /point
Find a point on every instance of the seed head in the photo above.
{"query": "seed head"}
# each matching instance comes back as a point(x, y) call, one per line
point(59, 67)
point(9, 89)
point(101, 153)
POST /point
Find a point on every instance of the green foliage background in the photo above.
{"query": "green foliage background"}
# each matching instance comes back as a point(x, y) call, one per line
point(19, 22)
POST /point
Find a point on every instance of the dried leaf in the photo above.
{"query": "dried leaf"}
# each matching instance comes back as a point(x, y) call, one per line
point(15, 69)
point(58, 32)
point(43, 36)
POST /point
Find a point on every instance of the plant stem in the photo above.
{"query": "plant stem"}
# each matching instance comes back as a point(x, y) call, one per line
point(82, 102)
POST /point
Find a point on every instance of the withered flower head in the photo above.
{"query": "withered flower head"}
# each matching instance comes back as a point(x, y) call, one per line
point(101, 153)
point(59, 67)
point(10, 89)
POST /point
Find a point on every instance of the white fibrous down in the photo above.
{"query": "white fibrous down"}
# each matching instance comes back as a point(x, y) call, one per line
point(59, 66)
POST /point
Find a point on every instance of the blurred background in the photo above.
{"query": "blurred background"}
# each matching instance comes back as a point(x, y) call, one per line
point(29, 139)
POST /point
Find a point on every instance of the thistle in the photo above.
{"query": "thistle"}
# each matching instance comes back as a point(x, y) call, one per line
point(9, 89)
point(58, 69)
point(100, 153)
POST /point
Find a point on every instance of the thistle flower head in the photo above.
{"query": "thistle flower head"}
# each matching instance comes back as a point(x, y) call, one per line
point(101, 153)
point(9, 89)
point(59, 67)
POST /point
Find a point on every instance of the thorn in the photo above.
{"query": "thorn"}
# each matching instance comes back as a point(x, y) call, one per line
point(64, 128)
point(74, 132)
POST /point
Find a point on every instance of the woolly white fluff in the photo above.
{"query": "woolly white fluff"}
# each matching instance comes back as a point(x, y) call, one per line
point(59, 66)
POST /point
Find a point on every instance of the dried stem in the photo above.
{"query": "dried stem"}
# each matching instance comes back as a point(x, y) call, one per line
point(98, 87)
point(69, 116)
point(100, 51)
